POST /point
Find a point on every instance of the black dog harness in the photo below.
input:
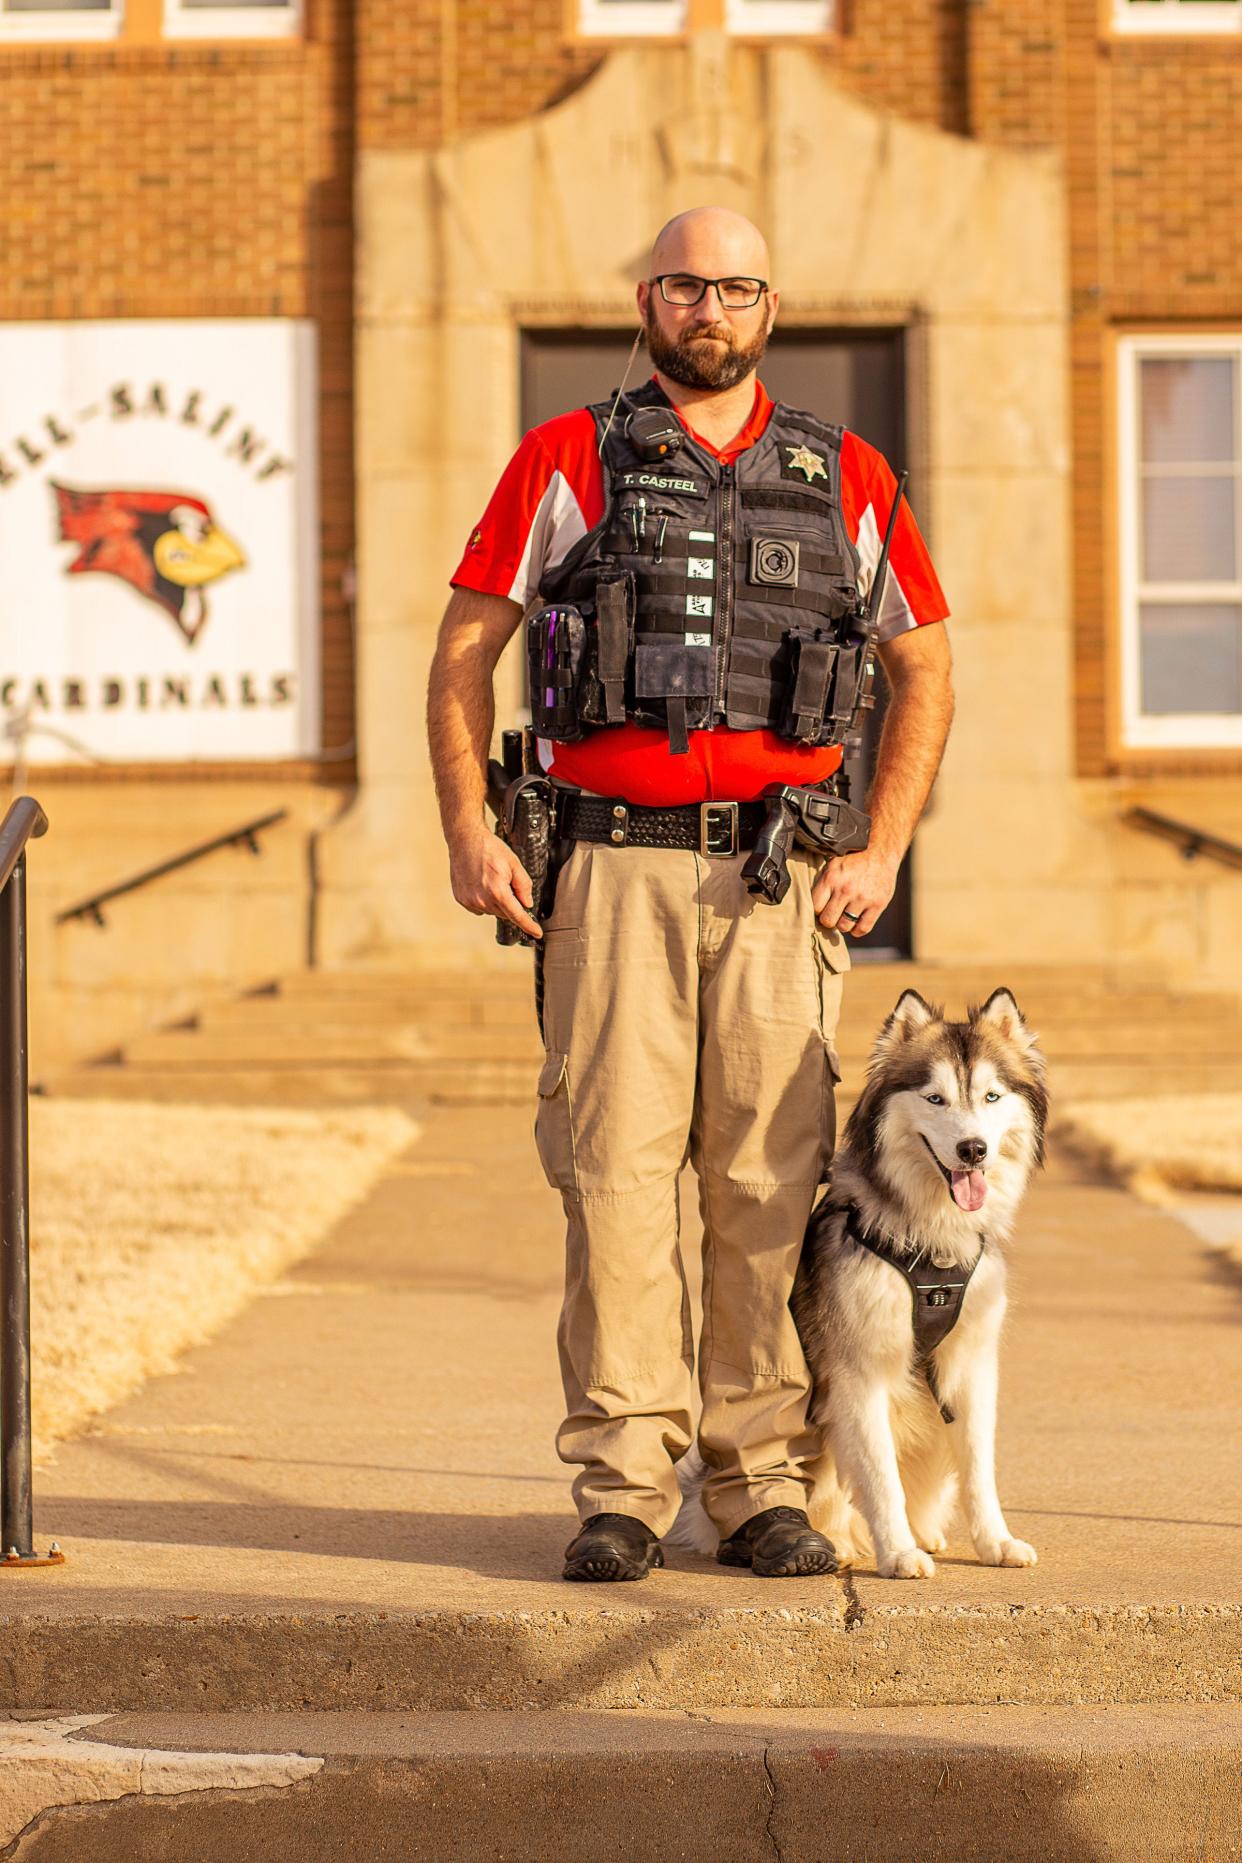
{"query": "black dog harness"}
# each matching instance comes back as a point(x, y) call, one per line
point(937, 1295)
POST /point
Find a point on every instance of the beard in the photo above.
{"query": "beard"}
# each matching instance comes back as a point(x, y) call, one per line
point(701, 357)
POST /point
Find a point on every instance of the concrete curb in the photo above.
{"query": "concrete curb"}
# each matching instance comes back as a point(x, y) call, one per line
point(832, 1656)
point(963, 1784)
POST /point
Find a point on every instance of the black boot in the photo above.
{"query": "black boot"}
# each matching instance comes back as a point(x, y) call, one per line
point(612, 1546)
point(779, 1543)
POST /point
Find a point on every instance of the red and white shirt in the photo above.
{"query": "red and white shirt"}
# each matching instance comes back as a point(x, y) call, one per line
point(552, 492)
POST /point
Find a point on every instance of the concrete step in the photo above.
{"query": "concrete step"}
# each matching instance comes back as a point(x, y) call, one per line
point(511, 1082)
point(399, 1044)
point(482, 1008)
point(342, 1085)
point(336, 1011)
point(1032, 1786)
point(408, 1045)
point(512, 966)
point(436, 1083)
point(833, 1652)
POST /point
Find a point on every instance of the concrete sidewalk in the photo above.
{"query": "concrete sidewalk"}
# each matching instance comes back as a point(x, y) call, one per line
point(350, 1499)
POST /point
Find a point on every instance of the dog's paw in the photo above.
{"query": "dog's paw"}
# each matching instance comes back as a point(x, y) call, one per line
point(931, 1542)
point(1006, 1552)
point(910, 1562)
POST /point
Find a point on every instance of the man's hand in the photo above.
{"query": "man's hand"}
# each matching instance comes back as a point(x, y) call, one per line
point(854, 889)
point(488, 877)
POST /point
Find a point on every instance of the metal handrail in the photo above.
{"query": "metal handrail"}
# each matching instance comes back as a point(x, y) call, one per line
point(247, 835)
point(24, 821)
point(1192, 841)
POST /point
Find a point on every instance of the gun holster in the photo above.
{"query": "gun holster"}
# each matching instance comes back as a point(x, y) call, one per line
point(526, 822)
point(812, 818)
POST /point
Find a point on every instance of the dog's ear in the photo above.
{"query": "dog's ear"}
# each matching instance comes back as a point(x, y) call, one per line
point(1002, 1012)
point(1030, 1076)
point(911, 1014)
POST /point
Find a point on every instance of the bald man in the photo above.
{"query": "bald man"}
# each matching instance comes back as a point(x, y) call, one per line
point(690, 557)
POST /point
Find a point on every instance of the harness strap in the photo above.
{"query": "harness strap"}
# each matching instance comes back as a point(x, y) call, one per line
point(936, 1295)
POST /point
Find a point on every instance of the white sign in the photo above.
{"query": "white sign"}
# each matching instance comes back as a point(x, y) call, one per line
point(159, 555)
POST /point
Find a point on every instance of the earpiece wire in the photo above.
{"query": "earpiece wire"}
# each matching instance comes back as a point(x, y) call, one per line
point(612, 412)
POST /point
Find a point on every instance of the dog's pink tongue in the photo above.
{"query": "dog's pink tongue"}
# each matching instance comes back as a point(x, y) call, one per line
point(969, 1189)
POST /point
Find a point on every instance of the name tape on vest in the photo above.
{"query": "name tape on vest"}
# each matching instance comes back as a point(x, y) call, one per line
point(659, 481)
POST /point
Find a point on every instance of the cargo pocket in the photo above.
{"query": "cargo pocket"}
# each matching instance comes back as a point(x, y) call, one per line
point(554, 1131)
point(832, 961)
point(834, 948)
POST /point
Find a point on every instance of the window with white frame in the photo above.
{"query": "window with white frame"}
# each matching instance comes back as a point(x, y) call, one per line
point(232, 19)
point(631, 19)
point(1177, 15)
point(60, 19)
point(1180, 452)
point(764, 19)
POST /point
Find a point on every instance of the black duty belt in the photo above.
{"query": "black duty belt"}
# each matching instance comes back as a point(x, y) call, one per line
point(937, 1294)
point(712, 828)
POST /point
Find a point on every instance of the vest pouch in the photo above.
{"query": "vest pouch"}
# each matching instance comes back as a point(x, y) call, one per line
point(609, 642)
point(848, 690)
point(555, 658)
point(671, 673)
point(806, 716)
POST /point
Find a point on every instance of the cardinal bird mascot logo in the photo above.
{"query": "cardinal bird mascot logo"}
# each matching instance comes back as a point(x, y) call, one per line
point(166, 545)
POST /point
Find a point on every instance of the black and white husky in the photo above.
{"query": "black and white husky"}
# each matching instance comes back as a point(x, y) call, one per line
point(901, 1290)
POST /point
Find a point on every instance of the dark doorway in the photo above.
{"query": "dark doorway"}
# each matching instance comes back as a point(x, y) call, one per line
point(856, 377)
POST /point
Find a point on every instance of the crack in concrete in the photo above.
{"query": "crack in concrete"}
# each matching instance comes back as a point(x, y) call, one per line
point(66, 1762)
point(854, 1613)
point(99, 1809)
point(770, 1834)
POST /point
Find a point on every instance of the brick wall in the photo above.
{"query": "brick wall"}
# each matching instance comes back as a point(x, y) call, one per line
point(1156, 237)
point(910, 58)
point(429, 70)
point(1148, 131)
point(432, 69)
point(198, 180)
point(1016, 72)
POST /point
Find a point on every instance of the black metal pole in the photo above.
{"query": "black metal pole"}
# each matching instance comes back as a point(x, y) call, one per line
point(16, 1523)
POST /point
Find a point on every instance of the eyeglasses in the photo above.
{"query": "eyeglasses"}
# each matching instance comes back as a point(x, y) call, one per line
point(685, 289)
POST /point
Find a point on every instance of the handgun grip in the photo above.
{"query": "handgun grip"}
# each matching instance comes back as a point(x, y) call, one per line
point(766, 871)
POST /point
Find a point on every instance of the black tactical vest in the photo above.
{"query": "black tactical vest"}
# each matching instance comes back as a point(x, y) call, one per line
point(716, 594)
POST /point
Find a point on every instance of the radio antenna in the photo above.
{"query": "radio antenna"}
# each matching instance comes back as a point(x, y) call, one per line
point(881, 569)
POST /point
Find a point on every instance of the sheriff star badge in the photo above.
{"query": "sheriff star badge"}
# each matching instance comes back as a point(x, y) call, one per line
point(802, 459)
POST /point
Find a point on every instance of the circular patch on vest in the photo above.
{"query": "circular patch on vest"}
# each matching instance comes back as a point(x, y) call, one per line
point(774, 562)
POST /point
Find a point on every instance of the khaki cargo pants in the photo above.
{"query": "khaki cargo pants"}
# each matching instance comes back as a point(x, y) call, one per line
point(684, 1019)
